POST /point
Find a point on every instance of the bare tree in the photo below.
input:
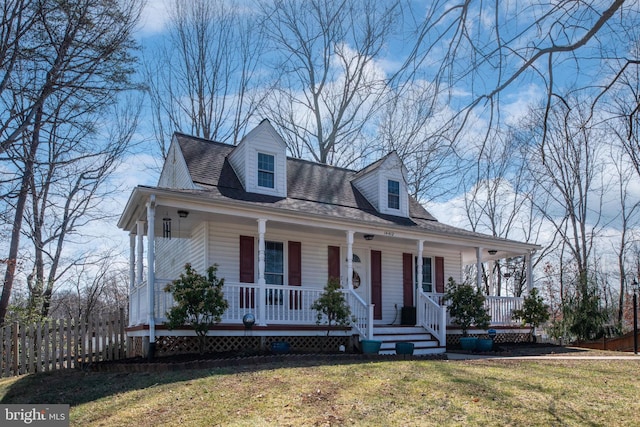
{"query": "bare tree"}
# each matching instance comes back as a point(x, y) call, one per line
point(329, 87)
point(203, 79)
point(77, 61)
point(492, 48)
point(94, 287)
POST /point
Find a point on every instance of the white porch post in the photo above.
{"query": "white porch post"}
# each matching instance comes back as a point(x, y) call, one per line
point(151, 274)
point(262, 305)
point(139, 270)
point(132, 261)
point(529, 257)
point(418, 291)
point(350, 234)
point(133, 316)
point(139, 265)
point(479, 267)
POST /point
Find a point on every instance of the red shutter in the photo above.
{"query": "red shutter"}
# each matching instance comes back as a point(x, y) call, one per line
point(295, 274)
point(334, 262)
point(376, 284)
point(247, 297)
point(440, 274)
point(407, 280)
point(295, 264)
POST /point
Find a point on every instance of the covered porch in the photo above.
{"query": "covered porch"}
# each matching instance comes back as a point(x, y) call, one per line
point(197, 227)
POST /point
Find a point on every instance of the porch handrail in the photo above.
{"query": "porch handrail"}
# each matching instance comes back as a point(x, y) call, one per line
point(361, 313)
point(138, 306)
point(433, 317)
point(500, 308)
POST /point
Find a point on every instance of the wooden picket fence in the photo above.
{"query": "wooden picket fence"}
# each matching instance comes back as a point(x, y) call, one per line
point(61, 344)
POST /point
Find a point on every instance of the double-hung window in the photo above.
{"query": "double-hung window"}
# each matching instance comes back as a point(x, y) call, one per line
point(426, 278)
point(266, 170)
point(393, 192)
point(274, 270)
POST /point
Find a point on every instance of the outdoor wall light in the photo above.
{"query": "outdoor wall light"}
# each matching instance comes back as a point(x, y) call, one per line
point(492, 251)
point(183, 214)
point(368, 237)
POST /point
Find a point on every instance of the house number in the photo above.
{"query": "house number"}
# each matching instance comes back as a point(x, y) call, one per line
point(389, 233)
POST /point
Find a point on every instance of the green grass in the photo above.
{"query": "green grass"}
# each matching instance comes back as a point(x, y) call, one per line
point(391, 393)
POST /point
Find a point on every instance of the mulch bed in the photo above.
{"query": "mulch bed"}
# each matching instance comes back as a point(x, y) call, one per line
point(226, 360)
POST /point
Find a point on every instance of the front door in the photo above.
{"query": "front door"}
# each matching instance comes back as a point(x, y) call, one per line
point(360, 277)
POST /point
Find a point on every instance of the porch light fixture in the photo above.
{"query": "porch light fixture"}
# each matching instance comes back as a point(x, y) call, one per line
point(183, 214)
point(166, 227)
point(368, 237)
point(492, 251)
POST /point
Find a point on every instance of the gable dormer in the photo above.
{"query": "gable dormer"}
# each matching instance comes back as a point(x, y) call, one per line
point(260, 161)
point(384, 185)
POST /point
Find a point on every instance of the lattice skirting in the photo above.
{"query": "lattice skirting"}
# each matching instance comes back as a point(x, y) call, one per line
point(170, 345)
point(507, 337)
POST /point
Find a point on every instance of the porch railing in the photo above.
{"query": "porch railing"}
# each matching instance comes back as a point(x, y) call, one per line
point(289, 305)
point(432, 317)
point(138, 304)
point(362, 314)
point(500, 308)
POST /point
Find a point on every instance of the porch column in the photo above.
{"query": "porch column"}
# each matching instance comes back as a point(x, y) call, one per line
point(350, 234)
point(418, 291)
point(262, 305)
point(132, 261)
point(479, 267)
point(529, 257)
point(139, 265)
point(151, 274)
point(139, 269)
point(133, 309)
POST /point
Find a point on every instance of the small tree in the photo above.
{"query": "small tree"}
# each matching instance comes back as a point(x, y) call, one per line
point(199, 301)
point(534, 312)
point(332, 307)
point(466, 306)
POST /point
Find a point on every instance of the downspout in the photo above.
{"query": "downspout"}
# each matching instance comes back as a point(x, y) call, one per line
point(151, 276)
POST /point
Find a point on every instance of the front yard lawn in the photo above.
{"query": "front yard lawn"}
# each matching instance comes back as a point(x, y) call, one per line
point(496, 392)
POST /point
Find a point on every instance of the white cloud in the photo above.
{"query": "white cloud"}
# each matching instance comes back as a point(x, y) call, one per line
point(154, 18)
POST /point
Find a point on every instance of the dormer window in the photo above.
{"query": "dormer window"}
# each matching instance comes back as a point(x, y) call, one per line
point(266, 170)
point(393, 194)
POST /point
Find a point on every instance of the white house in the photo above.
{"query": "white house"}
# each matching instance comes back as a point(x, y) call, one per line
point(278, 228)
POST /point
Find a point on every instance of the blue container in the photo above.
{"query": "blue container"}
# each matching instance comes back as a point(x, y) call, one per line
point(484, 344)
point(404, 348)
point(280, 347)
point(371, 346)
point(468, 343)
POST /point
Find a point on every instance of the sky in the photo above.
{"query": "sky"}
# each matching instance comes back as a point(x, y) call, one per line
point(142, 167)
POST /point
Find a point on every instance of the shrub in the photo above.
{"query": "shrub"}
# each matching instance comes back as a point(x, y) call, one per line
point(332, 306)
point(466, 306)
point(534, 311)
point(199, 301)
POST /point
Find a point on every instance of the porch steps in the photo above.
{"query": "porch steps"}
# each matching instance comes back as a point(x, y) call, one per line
point(423, 341)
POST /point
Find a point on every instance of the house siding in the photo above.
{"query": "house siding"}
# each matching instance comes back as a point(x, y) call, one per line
point(175, 173)
point(223, 246)
point(368, 186)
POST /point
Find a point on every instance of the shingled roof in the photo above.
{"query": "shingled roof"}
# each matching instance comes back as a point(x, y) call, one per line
point(307, 182)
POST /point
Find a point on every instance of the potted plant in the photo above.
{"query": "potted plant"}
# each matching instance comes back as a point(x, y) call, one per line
point(332, 306)
point(466, 306)
point(534, 312)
